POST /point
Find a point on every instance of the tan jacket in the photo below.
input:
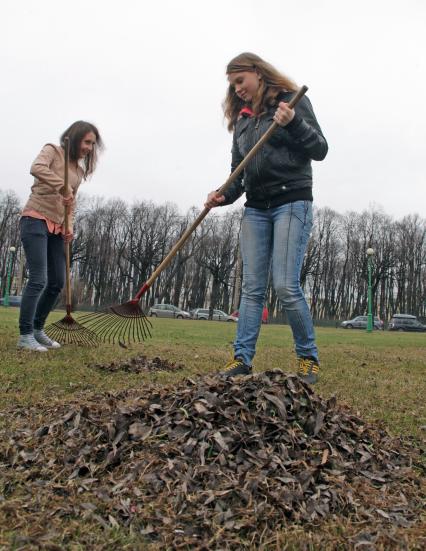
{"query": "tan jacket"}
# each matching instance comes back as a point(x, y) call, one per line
point(46, 192)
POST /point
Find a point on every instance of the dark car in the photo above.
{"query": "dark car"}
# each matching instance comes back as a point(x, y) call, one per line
point(14, 300)
point(405, 322)
point(360, 322)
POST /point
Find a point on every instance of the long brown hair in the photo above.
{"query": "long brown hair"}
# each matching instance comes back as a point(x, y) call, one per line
point(271, 84)
point(76, 133)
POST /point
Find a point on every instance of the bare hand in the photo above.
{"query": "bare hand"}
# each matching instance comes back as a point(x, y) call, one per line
point(68, 236)
point(214, 200)
point(283, 115)
point(67, 201)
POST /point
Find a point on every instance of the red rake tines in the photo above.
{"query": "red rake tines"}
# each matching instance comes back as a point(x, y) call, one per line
point(122, 323)
point(127, 322)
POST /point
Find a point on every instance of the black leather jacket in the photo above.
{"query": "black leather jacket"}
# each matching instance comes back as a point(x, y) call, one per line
point(281, 170)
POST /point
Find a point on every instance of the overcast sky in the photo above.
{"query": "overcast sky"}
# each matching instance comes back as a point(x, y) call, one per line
point(151, 76)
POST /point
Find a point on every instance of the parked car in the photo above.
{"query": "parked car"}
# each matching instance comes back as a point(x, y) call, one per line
point(360, 322)
point(167, 311)
point(218, 315)
point(14, 300)
point(405, 322)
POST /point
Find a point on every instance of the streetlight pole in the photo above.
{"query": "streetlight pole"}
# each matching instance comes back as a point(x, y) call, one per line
point(370, 253)
point(9, 273)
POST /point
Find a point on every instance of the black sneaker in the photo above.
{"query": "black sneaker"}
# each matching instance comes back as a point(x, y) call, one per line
point(308, 370)
point(236, 367)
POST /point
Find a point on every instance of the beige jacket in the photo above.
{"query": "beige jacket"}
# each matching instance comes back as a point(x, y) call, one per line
point(46, 192)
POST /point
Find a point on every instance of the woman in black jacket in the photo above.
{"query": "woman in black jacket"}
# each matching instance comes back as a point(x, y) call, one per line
point(277, 219)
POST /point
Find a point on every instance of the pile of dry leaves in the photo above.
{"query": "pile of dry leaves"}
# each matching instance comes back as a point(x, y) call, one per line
point(212, 463)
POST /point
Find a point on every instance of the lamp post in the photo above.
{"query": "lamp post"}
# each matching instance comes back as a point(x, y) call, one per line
point(370, 253)
point(9, 273)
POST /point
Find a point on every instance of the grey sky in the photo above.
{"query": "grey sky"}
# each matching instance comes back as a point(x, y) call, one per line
point(151, 76)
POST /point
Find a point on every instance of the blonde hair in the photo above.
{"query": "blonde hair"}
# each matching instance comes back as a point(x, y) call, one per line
point(270, 85)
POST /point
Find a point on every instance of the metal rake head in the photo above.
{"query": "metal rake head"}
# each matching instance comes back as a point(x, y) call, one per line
point(122, 323)
point(69, 331)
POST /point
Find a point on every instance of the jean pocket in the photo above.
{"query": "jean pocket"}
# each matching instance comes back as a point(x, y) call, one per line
point(32, 226)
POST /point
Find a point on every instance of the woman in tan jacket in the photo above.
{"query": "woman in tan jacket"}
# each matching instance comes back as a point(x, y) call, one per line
point(42, 228)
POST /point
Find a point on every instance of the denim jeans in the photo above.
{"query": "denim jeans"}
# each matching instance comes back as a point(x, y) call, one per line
point(275, 238)
point(45, 257)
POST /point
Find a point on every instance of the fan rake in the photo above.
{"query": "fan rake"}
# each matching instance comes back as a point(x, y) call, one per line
point(122, 323)
point(69, 331)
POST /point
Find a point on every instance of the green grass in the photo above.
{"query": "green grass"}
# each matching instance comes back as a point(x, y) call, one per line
point(382, 375)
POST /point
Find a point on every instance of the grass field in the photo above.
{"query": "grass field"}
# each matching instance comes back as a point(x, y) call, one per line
point(381, 376)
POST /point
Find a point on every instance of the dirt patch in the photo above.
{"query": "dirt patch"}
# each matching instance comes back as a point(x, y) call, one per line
point(213, 464)
point(139, 364)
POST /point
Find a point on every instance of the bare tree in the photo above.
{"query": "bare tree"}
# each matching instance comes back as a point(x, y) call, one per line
point(10, 210)
point(117, 247)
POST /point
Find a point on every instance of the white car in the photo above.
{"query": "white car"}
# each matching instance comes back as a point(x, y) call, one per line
point(218, 315)
point(360, 322)
point(168, 311)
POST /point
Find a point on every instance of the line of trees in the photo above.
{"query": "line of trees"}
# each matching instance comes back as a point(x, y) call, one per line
point(117, 247)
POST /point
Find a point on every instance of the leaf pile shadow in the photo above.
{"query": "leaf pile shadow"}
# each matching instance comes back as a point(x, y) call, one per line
point(139, 364)
point(210, 463)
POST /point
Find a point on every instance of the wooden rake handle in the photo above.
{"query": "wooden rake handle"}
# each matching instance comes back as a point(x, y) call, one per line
point(166, 261)
point(65, 193)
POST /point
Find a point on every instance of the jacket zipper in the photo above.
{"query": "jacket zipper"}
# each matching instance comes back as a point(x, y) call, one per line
point(256, 139)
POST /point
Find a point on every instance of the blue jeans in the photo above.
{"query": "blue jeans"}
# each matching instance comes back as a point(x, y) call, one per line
point(275, 238)
point(45, 255)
